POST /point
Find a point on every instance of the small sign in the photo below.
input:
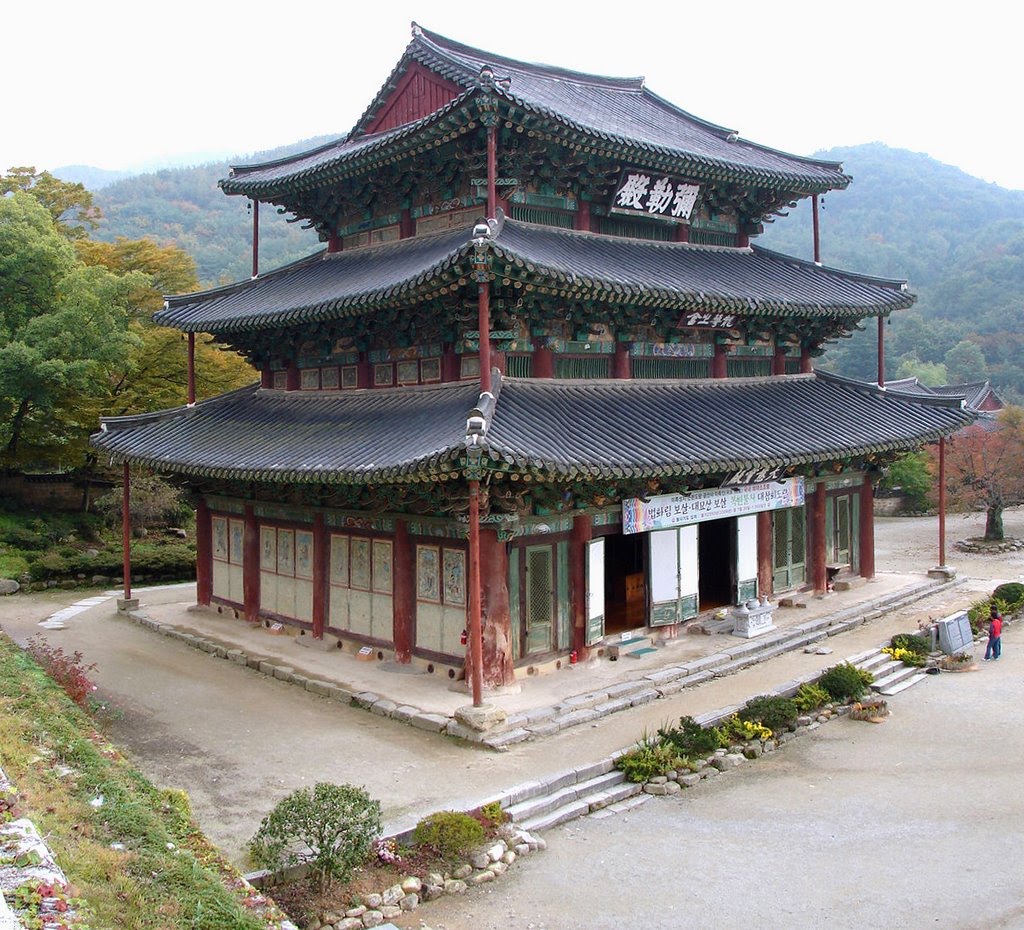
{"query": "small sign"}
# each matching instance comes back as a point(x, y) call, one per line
point(955, 634)
point(365, 654)
point(645, 193)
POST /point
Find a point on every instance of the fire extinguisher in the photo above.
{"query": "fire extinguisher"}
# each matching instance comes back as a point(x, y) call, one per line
point(573, 657)
point(464, 638)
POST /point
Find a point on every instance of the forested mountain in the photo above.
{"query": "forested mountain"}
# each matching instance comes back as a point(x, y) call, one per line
point(958, 240)
point(185, 207)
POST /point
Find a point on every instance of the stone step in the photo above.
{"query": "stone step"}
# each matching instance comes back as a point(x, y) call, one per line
point(622, 806)
point(903, 685)
point(554, 818)
point(560, 795)
point(591, 803)
point(625, 646)
point(886, 668)
point(875, 662)
point(894, 677)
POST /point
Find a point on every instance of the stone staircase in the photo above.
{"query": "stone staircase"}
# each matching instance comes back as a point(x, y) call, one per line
point(590, 789)
point(890, 677)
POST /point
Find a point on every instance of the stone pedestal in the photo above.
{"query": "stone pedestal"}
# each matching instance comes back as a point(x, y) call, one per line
point(126, 605)
point(944, 572)
point(752, 619)
point(482, 718)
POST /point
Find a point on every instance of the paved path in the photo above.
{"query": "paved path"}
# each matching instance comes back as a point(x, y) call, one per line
point(913, 823)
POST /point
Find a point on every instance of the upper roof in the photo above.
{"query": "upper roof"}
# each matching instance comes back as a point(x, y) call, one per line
point(557, 428)
point(977, 395)
point(677, 276)
point(619, 114)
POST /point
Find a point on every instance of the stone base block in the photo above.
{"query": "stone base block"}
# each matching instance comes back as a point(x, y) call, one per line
point(127, 604)
point(482, 718)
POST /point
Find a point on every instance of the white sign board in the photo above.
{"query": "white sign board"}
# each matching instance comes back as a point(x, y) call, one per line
point(639, 515)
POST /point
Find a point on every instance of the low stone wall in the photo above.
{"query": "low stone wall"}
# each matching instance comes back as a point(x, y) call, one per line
point(983, 547)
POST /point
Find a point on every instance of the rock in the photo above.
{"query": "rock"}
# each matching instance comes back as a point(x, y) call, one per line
point(356, 911)
point(372, 919)
point(390, 910)
point(349, 923)
point(412, 885)
point(522, 849)
point(658, 780)
point(651, 788)
point(435, 878)
point(481, 877)
point(509, 857)
point(463, 871)
point(455, 886)
point(498, 867)
point(803, 721)
point(373, 901)
point(724, 763)
point(392, 896)
point(689, 780)
point(496, 852)
point(752, 750)
point(9, 586)
point(410, 902)
point(433, 892)
point(479, 860)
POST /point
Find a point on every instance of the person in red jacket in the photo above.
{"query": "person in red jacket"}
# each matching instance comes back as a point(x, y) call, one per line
point(995, 631)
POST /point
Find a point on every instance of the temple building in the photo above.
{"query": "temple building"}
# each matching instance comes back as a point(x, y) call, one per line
point(639, 437)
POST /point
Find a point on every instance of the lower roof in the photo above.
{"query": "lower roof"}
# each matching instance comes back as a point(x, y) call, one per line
point(557, 429)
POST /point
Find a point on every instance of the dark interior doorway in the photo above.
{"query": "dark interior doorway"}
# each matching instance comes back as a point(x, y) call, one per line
point(716, 550)
point(625, 582)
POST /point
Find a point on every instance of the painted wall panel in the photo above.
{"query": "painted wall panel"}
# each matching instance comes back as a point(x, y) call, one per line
point(664, 550)
point(689, 561)
point(746, 546)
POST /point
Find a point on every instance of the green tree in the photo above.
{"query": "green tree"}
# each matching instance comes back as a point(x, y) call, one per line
point(63, 332)
point(965, 363)
point(70, 205)
point(928, 373)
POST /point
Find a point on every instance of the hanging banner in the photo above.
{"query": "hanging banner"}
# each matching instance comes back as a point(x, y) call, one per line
point(666, 510)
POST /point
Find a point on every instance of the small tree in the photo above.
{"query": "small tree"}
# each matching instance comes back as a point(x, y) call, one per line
point(151, 500)
point(984, 468)
point(910, 475)
point(331, 827)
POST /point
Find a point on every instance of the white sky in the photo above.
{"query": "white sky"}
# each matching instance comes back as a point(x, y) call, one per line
point(118, 84)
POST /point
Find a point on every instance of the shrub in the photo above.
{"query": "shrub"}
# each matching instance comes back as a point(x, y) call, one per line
point(906, 656)
point(690, 739)
point(737, 730)
point(912, 642)
point(910, 475)
point(811, 697)
point(978, 613)
point(331, 827)
point(152, 501)
point(69, 671)
point(845, 682)
point(647, 759)
point(776, 713)
point(1011, 594)
point(449, 833)
point(490, 815)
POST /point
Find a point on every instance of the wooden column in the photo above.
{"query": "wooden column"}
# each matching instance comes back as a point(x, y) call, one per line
point(334, 244)
point(126, 530)
point(255, 238)
point(719, 362)
point(404, 594)
point(266, 376)
point(474, 669)
point(942, 501)
point(251, 565)
point(765, 554)
point(682, 232)
point(622, 365)
point(819, 575)
point(866, 528)
point(451, 365)
point(191, 368)
point(779, 360)
point(582, 533)
point(406, 225)
point(881, 352)
point(543, 361)
point(364, 373)
point(583, 216)
point(498, 669)
point(321, 587)
point(806, 362)
point(294, 379)
point(814, 223)
point(204, 554)
point(484, 326)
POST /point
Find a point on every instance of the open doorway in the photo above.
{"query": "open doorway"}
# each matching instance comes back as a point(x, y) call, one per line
point(625, 582)
point(716, 550)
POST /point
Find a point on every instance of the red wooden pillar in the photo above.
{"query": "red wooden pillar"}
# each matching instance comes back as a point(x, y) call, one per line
point(765, 554)
point(819, 574)
point(682, 232)
point(582, 533)
point(881, 352)
point(364, 373)
point(806, 362)
point(126, 531)
point(204, 554)
point(543, 361)
point(255, 238)
point(451, 365)
point(475, 665)
point(583, 216)
point(866, 528)
point(404, 595)
point(191, 368)
point(816, 228)
point(266, 376)
point(719, 362)
point(334, 243)
point(320, 585)
point(496, 636)
point(406, 225)
point(942, 501)
point(622, 366)
point(251, 565)
point(779, 360)
point(293, 378)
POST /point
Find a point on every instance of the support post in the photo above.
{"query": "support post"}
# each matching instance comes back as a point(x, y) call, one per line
point(765, 553)
point(204, 553)
point(484, 325)
point(255, 238)
point(720, 362)
point(475, 638)
point(543, 361)
point(497, 669)
point(582, 533)
point(817, 236)
point(191, 369)
point(806, 362)
point(126, 534)
point(866, 529)
point(320, 575)
point(403, 629)
point(881, 351)
point(779, 360)
point(621, 363)
point(819, 572)
point(942, 502)
point(251, 565)
point(492, 170)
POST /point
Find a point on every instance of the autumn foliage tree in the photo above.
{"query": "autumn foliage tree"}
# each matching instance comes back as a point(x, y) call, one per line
point(985, 468)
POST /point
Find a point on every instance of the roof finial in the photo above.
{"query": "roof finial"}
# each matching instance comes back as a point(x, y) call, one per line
point(416, 30)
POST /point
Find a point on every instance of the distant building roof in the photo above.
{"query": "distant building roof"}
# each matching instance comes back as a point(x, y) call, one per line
point(619, 113)
point(676, 276)
point(977, 395)
point(561, 428)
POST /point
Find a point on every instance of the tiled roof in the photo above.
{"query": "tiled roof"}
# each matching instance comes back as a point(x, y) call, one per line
point(561, 429)
point(676, 276)
point(974, 393)
point(619, 112)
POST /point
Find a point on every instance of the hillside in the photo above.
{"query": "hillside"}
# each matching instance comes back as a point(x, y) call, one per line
point(959, 241)
point(185, 207)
